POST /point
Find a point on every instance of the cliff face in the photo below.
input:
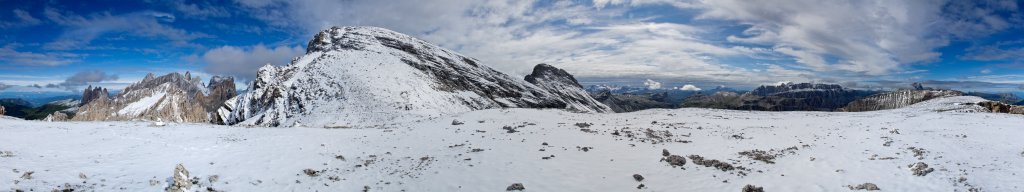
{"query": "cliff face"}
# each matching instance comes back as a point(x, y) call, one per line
point(172, 97)
point(897, 99)
point(91, 94)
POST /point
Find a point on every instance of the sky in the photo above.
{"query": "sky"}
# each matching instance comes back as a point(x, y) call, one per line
point(54, 46)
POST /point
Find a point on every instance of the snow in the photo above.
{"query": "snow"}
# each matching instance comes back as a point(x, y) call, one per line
point(833, 150)
point(140, 106)
point(375, 76)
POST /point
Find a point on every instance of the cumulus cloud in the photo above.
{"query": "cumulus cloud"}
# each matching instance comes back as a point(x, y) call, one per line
point(689, 87)
point(242, 62)
point(651, 84)
point(86, 77)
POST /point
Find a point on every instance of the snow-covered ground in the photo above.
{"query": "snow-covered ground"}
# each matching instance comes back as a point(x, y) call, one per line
point(809, 151)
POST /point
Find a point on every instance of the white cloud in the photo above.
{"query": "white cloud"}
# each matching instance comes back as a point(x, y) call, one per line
point(651, 84)
point(805, 40)
point(23, 19)
point(689, 87)
point(242, 62)
point(10, 56)
point(83, 30)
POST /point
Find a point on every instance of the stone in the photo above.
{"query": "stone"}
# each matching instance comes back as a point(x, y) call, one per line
point(752, 188)
point(515, 187)
point(865, 186)
point(181, 182)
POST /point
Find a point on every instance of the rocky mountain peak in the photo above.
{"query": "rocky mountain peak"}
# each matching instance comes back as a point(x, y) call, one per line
point(92, 93)
point(544, 72)
point(172, 97)
point(370, 75)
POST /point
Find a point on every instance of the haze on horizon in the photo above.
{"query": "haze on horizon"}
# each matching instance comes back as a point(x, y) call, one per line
point(63, 46)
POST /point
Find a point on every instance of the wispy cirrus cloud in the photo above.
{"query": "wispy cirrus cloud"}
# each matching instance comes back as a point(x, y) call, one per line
point(82, 30)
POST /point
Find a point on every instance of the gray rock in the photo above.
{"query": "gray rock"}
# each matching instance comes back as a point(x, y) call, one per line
point(865, 186)
point(920, 169)
point(515, 187)
point(675, 160)
point(181, 182)
point(752, 188)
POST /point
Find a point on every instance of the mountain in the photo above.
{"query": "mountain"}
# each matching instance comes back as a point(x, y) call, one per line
point(717, 100)
point(897, 99)
point(15, 107)
point(782, 97)
point(1008, 98)
point(92, 93)
point(374, 76)
point(628, 102)
point(23, 109)
point(172, 97)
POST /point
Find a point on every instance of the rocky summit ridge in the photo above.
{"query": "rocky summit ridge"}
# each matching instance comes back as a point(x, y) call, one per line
point(354, 76)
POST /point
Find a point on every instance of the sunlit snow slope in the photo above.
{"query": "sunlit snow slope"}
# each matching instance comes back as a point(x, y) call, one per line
point(545, 150)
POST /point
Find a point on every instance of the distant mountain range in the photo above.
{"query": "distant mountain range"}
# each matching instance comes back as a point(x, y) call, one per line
point(368, 76)
point(782, 97)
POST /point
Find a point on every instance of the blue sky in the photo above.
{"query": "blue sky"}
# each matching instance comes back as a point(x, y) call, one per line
point(968, 45)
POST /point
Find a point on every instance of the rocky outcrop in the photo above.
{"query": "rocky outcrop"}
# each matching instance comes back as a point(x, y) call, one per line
point(999, 107)
point(56, 116)
point(172, 97)
point(373, 76)
point(2, 110)
point(565, 88)
point(180, 182)
point(92, 93)
point(896, 99)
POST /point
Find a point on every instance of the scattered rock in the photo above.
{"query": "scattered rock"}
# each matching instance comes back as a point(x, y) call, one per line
point(6, 154)
point(711, 163)
point(752, 188)
point(457, 122)
point(665, 153)
point(675, 160)
point(918, 152)
point(638, 177)
point(213, 178)
point(311, 172)
point(583, 125)
point(509, 129)
point(339, 157)
point(27, 175)
point(181, 180)
point(82, 176)
point(920, 169)
point(641, 186)
point(515, 187)
point(865, 186)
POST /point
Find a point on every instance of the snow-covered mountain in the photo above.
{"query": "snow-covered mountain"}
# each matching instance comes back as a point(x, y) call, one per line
point(172, 97)
point(372, 76)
